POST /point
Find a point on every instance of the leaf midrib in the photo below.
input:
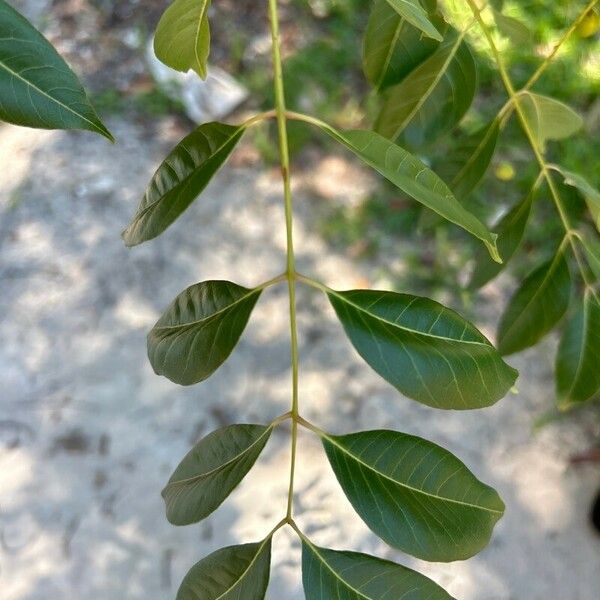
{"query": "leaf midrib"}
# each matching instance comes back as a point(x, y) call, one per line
point(405, 485)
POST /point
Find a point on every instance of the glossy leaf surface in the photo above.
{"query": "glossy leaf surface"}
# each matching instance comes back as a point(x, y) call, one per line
point(233, 573)
point(537, 306)
point(578, 358)
point(199, 330)
point(415, 14)
point(352, 576)
point(433, 98)
point(182, 39)
point(37, 88)
point(413, 494)
point(426, 351)
point(181, 177)
point(414, 178)
point(392, 46)
point(211, 470)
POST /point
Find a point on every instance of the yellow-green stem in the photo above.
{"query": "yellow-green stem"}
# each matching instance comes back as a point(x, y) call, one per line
point(284, 156)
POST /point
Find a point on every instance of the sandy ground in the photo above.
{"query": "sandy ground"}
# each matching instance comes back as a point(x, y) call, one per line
point(89, 435)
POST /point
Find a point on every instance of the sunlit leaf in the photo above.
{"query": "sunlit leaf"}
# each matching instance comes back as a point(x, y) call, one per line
point(578, 358)
point(537, 306)
point(211, 470)
point(37, 88)
point(433, 98)
point(353, 576)
point(428, 352)
point(413, 12)
point(392, 46)
point(413, 494)
point(464, 167)
point(181, 177)
point(516, 31)
point(199, 330)
point(233, 573)
point(547, 118)
point(510, 232)
point(182, 39)
point(414, 178)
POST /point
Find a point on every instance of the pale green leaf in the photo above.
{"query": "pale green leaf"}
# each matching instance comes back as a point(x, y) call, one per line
point(537, 306)
point(416, 15)
point(414, 494)
point(182, 39)
point(181, 177)
point(578, 358)
point(211, 471)
point(428, 352)
point(513, 29)
point(433, 98)
point(37, 88)
point(199, 330)
point(233, 573)
point(352, 576)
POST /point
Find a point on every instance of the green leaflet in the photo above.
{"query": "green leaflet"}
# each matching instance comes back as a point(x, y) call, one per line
point(469, 161)
point(547, 118)
point(513, 29)
point(426, 351)
point(182, 39)
point(414, 13)
point(181, 177)
point(353, 576)
point(232, 573)
point(211, 471)
point(37, 88)
point(413, 494)
point(591, 248)
point(537, 306)
point(433, 98)
point(392, 46)
point(199, 330)
point(510, 232)
point(414, 178)
point(578, 358)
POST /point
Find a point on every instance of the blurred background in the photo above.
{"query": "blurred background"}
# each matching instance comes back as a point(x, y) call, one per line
point(89, 435)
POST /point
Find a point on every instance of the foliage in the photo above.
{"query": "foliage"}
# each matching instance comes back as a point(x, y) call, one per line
point(422, 58)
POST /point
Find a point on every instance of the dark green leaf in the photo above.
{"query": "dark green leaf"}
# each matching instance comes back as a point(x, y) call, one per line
point(591, 247)
point(211, 471)
point(537, 306)
point(414, 178)
point(513, 29)
point(199, 330)
point(182, 39)
point(414, 13)
point(578, 359)
point(586, 189)
point(510, 232)
point(352, 576)
point(233, 573)
point(181, 177)
point(392, 46)
point(464, 167)
point(37, 88)
point(426, 351)
point(413, 494)
point(433, 98)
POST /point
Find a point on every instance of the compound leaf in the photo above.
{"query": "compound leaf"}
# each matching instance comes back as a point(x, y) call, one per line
point(426, 351)
point(199, 330)
point(578, 358)
point(181, 177)
point(433, 98)
point(182, 39)
point(232, 573)
point(353, 576)
point(415, 495)
point(536, 307)
point(212, 470)
point(416, 15)
point(414, 178)
point(392, 46)
point(37, 88)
